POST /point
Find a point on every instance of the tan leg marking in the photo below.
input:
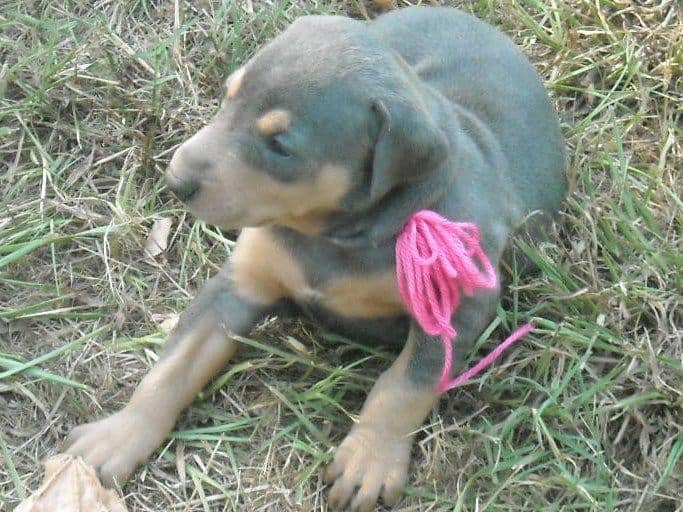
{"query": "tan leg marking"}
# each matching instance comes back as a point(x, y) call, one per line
point(119, 443)
point(373, 459)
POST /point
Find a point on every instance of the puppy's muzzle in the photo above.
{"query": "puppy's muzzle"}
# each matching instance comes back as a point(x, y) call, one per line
point(183, 188)
point(188, 165)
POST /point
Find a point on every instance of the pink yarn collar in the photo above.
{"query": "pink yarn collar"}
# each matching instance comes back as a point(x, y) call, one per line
point(437, 262)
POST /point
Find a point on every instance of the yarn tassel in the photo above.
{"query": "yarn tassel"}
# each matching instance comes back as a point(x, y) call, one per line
point(437, 262)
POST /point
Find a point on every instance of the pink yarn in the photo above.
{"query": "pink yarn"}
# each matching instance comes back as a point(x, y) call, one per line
point(438, 261)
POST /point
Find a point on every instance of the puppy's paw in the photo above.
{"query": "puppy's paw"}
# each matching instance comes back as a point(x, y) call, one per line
point(369, 463)
point(116, 445)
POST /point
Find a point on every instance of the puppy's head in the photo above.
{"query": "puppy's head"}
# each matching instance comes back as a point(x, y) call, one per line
point(322, 122)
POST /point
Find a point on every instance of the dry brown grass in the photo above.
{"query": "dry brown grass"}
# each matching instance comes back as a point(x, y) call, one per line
point(586, 414)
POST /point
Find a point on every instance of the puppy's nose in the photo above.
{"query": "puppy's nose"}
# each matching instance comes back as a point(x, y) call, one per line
point(183, 188)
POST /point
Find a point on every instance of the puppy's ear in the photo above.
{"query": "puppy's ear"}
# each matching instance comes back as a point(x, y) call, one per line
point(409, 147)
point(410, 168)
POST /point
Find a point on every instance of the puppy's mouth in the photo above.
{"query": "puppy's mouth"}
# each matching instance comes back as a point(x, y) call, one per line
point(228, 220)
point(218, 205)
point(184, 189)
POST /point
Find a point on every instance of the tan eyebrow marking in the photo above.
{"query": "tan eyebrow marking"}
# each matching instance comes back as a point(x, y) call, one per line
point(234, 83)
point(273, 122)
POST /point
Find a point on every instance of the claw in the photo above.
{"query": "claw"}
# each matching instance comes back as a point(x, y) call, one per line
point(368, 464)
point(115, 445)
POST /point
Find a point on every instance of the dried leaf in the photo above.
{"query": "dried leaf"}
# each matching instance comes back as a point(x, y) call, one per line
point(166, 323)
point(157, 241)
point(70, 485)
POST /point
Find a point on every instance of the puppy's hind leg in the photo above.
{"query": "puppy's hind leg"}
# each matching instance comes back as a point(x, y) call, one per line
point(200, 346)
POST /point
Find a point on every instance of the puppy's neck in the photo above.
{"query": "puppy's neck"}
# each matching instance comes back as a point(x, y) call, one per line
point(380, 223)
point(374, 223)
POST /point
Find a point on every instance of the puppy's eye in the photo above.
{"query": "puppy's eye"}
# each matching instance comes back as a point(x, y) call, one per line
point(277, 147)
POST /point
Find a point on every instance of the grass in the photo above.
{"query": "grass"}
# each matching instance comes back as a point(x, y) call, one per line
point(585, 415)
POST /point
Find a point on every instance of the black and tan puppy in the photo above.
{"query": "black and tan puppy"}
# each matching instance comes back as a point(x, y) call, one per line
point(326, 141)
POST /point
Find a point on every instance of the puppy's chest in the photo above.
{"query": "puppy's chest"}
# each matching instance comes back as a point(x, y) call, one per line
point(354, 296)
point(267, 268)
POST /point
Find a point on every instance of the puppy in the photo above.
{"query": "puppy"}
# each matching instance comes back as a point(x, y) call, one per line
point(326, 141)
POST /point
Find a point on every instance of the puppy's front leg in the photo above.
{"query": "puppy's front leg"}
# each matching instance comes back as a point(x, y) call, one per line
point(200, 346)
point(374, 457)
point(373, 460)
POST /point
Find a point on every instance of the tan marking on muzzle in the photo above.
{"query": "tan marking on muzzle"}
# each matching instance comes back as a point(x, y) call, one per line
point(302, 205)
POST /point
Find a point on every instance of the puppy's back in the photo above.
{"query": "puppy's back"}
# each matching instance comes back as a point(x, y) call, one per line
point(478, 67)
